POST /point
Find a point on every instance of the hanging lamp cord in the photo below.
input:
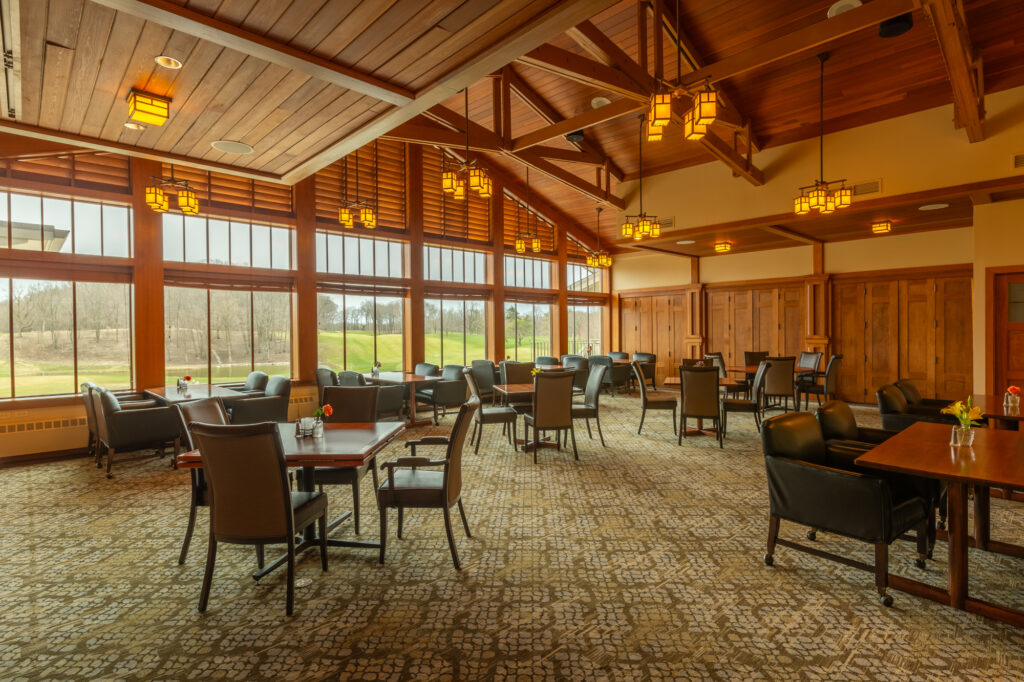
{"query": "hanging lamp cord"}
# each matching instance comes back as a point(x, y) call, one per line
point(821, 116)
point(640, 147)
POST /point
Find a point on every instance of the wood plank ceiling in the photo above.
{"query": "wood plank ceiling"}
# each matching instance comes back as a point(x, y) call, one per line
point(409, 59)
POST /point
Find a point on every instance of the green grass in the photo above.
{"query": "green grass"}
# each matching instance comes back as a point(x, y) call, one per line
point(390, 350)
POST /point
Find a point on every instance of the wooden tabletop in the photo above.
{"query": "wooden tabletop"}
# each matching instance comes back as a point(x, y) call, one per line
point(400, 378)
point(722, 381)
point(996, 458)
point(170, 395)
point(992, 408)
point(514, 389)
point(343, 445)
point(551, 368)
point(752, 369)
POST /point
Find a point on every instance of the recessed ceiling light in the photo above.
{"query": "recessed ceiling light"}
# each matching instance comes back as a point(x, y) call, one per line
point(132, 125)
point(167, 62)
point(842, 6)
point(599, 102)
point(932, 207)
point(231, 147)
point(684, 242)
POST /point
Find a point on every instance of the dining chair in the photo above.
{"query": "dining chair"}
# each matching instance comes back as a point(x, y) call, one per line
point(483, 372)
point(698, 389)
point(350, 378)
point(348, 404)
point(125, 400)
point(124, 429)
point(325, 376)
point(827, 388)
point(590, 409)
point(546, 360)
point(657, 401)
point(806, 360)
point(581, 366)
point(250, 503)
point(504, 415)
point(206, 411)
point(618, 355)
point(450, 391)
point(517, 373)
point(751, 358)
point(416, 488)
point(551, 409)
point(426, 369)
point(752, 404)
point(778, 382)
point(648, 365)
point(616, 376)
point(256, 410)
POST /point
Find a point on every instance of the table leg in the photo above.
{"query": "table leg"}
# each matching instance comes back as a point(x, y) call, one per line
point(412, 409)
point(982, 525)
point(957, 540)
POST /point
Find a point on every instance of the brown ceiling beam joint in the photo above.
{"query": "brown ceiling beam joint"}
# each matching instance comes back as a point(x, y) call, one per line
point(423, 134)
point(604, 49)
point(780, 231)
point(595, 192)
point(583, 70)
point(963, 66)
point(608, 112)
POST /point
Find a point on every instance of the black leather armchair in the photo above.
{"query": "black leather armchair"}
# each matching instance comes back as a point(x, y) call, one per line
point(272, 406)
point(133, 429)
point(254, 384)
point(450, 391)
point(917, 404)
point(897, 413)
point(807, 486)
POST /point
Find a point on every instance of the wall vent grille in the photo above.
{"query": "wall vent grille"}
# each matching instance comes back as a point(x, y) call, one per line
point(869, 187)
point(1018, 161)
point(42, 425)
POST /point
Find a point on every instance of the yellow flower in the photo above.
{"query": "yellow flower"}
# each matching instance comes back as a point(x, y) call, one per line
point(975, 414)
point(954, 409)
point(534, 372)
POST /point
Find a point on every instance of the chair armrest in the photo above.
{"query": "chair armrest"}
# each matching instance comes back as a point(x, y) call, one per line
point(833, 500)
point(143, 425)
point(874, 436)
point(427, 440)
point(141, 404)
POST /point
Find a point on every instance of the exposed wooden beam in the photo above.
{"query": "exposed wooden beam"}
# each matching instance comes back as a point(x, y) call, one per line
point(551, 23)
point(800, 41)
point(571, 155)
point(506, 105)
point(790, 234)
point(544, 109)
point(429, 134)
point(96, 144)
point(534, 160)
point(741, 166)
point(593, 117)
point(10, 80)
point(178, 18)
point(963, 65)
point(582, 70)
point(604, 49)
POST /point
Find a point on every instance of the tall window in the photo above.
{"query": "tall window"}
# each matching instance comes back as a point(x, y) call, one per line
point(350, 255)
point(456, 331)
point(527, 330)
point(354, 331)
point(454, 265)
point(196, 239)
point(585, 329)
point(533, 273)
point(64, 333)
point(220, 335)
point(583, 277)
point(37, 223)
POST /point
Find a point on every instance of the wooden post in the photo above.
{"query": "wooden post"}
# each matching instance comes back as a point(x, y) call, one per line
point(560, 321)
point(817, 258)
point(304, 312)
point(148, 279)
point(496, 320)
point(415, 347)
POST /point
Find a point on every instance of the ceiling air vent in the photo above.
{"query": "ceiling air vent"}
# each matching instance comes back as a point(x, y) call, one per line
point(869, 187)
point(667, 223)
point(1018, 161)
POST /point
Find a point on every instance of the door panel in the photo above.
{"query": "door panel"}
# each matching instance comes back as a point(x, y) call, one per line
point(1008, 344)
point(882, 342)
point(718, 321)
point(791, 321)
point(954, 342)
point(663, 333)
point(645, 337)
point(630, 324)
point(765, 332)
point(848, 339)
point(741, 332)
point(917, 333)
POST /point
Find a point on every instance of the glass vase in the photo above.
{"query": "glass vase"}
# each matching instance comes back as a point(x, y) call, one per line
point(318, 429)
point(1011, 401)
point(962, 437)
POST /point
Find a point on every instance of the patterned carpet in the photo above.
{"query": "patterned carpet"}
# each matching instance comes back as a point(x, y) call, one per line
point(640, 561)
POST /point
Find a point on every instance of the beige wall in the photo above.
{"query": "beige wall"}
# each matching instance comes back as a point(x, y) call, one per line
point(998, 241)
point(793, 262)
point(921, 249)
point(646, 270)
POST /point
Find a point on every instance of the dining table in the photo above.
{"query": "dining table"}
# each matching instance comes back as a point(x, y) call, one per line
point(995, 459)
point(411, 381)
point(998, 415)
point(752, 369)
point(172, 395)
point(343, 445)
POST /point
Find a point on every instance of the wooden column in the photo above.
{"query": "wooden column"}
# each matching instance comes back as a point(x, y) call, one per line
point(496, 320)
point(560, 320)
point(304, 312)
point(415, 350)
point(148, 279)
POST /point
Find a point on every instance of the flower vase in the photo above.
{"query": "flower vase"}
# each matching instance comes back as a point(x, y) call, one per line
point(318, 429)
point(962, 437)
point(1011, 401)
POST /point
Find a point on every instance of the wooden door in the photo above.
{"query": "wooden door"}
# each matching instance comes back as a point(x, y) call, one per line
point(718, 321)
point(881, 343)
point(791, 321)
point(954, 343)
point(662, 333)
point(765, 323)
point(917, 333)
point(848, 338)
point(630, 325)
point(1008, 345)
point(645, 336)
point(680, 314)
point(741, 331)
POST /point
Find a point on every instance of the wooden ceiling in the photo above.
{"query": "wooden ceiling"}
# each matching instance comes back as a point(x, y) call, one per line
point(308, 81)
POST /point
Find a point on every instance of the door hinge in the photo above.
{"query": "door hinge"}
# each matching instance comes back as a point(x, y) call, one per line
point(935, 324)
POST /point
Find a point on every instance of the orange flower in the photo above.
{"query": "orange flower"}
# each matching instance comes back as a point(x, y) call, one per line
point(1013, 390)
point(188, 378)
point(328, 410)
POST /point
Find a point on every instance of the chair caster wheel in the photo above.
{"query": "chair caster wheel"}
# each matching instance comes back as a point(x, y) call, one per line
point(886, 600)
point(941, 525)
point(919, 563)
point(769, 560)
point(812, 535)
point(110, 476)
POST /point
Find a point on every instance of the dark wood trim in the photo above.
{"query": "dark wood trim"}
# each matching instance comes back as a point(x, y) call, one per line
point(12, 461)
point(29, 402)
point(305, 349)
point(990, 320)
point(924, 272)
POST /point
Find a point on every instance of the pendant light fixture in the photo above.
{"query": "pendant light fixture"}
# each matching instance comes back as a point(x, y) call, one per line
point(345, 216)
point(358, 211)
point(520, 239)
point(156, 197)
point(458, 178)
point(823, 196)
point(599, 258)
point(641, 225)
